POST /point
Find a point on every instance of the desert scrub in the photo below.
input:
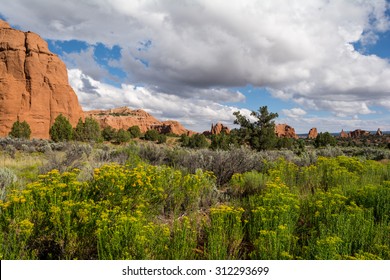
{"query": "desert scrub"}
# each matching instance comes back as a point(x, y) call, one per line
point(272, 222)
point(156, 189)
point(124, 236)
point(248, 183)
point(7, 177)
point(374, 197)
point(184, 235)
point(225, 233)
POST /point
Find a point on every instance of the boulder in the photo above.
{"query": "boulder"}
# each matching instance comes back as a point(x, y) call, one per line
point(34, 84)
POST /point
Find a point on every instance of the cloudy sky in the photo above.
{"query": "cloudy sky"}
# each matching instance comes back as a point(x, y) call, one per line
point(317, 63)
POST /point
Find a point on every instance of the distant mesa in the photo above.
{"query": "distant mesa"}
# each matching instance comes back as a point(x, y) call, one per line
point(124, 118)
point(313, 133)
point(33, 84)
point(286, 131)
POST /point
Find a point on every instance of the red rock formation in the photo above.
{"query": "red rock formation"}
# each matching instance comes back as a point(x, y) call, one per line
point(313, 133)
point(284, 130)
point(123, 118)
point(33, 84)
point(359, 133)
point(172, 127)
point(218, 128)
point(379, 132)
point(344, 134)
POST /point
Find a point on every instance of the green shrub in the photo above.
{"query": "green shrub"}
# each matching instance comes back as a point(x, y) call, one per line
point(162, 139)
point(61, 130)
point(196, 141)
point(108, 133)
point(122, 136)
point(7, 177)
point(87, 131)
point(273, 220)
point(248, 183)
point(20, 130)
point(324, 139)
point(151, 135)
point(135, 131)
point(225, 233)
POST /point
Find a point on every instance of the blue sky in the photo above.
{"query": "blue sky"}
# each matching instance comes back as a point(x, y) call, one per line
point(318, 63)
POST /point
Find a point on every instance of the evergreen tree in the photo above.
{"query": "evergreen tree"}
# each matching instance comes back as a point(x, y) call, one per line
point(185, 140)
point(61, 130)
point(162, 138)
point(20, 130)
point(89, 130)
point(220, 141)
point(151, 135)
point(109, 133)
point(324, 139)
point(78, 132)
point(135, 131)
point(260, 135)
point(122, 136)
point(195, 141)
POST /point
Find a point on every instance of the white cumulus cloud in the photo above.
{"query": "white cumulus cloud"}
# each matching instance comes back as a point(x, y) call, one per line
point(300, 50)
point(294, 112)
point(193, 113)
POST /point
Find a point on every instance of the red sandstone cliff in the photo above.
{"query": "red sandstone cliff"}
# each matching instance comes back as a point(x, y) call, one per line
point(33, 84)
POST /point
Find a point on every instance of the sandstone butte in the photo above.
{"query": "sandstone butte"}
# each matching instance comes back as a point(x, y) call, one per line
point(124, 117)
point(284, 130)
point(33, 84)
point(218, 128)
point(313, 133)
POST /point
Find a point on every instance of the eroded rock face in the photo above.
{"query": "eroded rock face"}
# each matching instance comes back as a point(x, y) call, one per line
point(172, 127)
point(313, 133)
point(284, 130)
point(124, 117)
point(359, 133)
point(218, 128)
point(344, 134)
point(33, 84)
